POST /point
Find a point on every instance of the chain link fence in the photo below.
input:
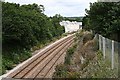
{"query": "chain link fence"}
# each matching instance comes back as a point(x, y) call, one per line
point(109, 49)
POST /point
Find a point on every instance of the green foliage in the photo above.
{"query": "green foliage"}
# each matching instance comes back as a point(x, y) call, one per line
point(69, 54)
point(78, 19)
point(93, 70)
point(25, 26)
point(28, 24)
point(102, 68)
point(103, 18)
point(61, 71)
point(9, 59)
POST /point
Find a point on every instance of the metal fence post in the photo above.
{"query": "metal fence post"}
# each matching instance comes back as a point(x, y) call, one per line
point(112, 54)
point(99, 42)
point(103, 47)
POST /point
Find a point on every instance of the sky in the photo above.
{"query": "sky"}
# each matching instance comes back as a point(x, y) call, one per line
point(66, 8)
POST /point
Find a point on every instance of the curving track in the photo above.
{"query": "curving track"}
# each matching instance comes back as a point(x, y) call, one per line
point(42, 64)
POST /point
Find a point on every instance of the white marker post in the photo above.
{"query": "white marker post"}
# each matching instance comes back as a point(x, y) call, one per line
point(112, 54)
point(103, 47)
point(99, 42)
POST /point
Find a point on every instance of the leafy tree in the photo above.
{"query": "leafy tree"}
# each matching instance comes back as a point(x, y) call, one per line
point(24, 26)
point(103, 18)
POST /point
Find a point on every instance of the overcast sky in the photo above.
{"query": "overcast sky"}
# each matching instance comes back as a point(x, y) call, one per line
point(64, 7)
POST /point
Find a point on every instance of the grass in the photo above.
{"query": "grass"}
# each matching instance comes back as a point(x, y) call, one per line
point(69, 54)
point(103, 68)
point(15, 57)
point(62, 70)
point(95, 69)
point(99, 68)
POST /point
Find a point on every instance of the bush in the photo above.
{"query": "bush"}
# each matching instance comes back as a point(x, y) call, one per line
point(106, 24)
point(15, 57)
point(69, 54)
point(25, 26)
point(87, 36)
point(7, 64)
point(61, 71)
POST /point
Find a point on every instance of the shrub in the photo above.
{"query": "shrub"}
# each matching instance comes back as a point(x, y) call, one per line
point(25, 26)
point(87, 36)
point(69, 54)
point(61, 71)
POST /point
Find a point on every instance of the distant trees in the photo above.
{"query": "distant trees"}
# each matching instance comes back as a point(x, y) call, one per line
point(78, 19)
point(103, 18)
point(24, 26)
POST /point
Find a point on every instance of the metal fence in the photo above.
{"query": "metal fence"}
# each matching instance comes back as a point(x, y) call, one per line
point(109, 49)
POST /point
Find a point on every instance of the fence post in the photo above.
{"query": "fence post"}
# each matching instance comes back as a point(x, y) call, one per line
point(112, 54)
point(103, 47)
point(99, 42)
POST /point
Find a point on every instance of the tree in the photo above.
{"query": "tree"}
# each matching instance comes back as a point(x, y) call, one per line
point(103, 18)
point(23, 27)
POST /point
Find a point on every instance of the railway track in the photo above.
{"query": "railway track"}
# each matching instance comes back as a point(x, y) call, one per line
point(42, 64)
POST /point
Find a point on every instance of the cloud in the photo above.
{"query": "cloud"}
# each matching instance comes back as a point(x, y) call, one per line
point(63, 7)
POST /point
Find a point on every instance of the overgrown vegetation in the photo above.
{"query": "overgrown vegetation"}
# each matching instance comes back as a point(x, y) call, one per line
point(86, 62)
point(105, 68)
point(69, 54)
point(24, 27)
point(104, 19)
point(62, 70)
point(99, 68)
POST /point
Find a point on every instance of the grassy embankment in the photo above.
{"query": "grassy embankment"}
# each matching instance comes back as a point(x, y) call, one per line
point(91, 66)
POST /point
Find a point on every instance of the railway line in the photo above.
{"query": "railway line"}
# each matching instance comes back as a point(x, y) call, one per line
point(42, 64)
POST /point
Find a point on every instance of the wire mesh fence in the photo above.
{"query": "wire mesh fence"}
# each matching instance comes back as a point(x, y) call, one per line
point(109, 49)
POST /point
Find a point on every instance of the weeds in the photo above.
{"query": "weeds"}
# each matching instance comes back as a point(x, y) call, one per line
point(104, 69)
point(10, 61)
point(92, 69)
point(99, 68)
point(69, 54)
point(63, 70)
